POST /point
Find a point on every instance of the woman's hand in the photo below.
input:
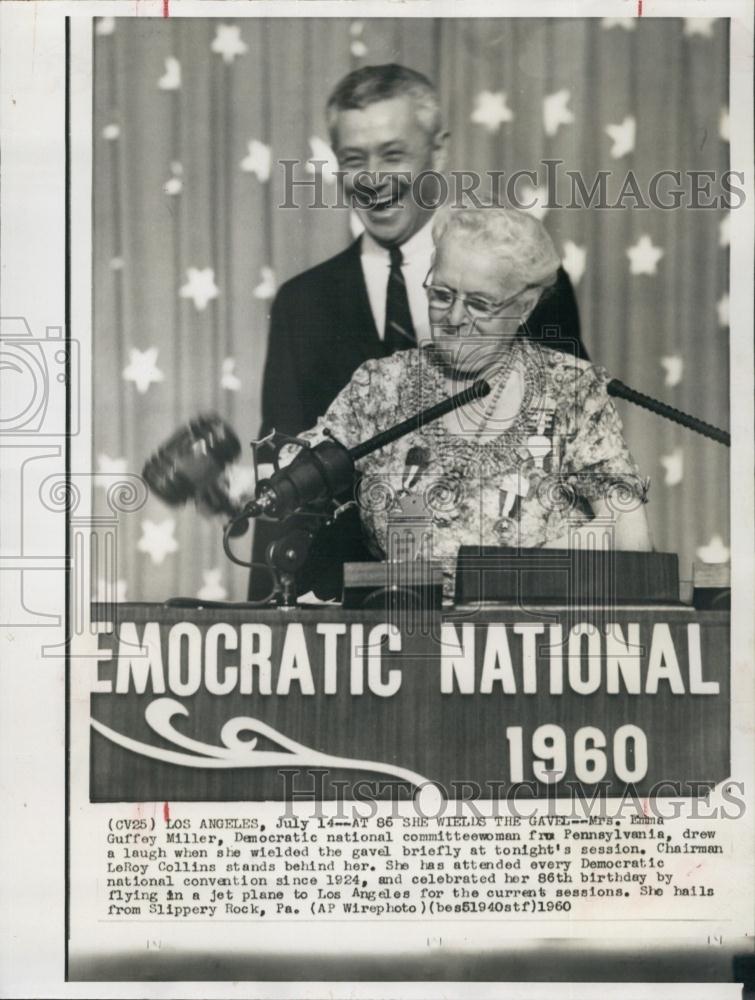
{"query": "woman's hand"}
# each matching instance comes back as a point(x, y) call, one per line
point(230, 491)
point(629, 529)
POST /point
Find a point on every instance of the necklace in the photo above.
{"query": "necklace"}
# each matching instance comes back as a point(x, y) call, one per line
point(462, 466)
point(454, 452)
point(499, 378)
point(466, 447)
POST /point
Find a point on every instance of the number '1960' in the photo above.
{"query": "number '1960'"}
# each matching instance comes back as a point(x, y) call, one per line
point(549, 751)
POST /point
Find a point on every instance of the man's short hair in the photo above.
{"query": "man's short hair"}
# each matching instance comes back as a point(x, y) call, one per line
point(371, 84)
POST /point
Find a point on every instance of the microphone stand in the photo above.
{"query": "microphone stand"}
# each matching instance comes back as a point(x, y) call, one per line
point(618, 389)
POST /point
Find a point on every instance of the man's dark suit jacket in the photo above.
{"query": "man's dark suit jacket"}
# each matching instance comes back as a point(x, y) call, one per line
point(322, 330)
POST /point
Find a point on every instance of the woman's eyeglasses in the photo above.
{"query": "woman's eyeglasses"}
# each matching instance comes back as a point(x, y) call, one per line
point(441, 300)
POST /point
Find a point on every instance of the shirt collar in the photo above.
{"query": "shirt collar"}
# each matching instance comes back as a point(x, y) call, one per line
point(418, 247)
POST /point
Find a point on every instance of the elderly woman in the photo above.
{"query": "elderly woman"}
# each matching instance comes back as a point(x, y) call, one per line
point(529, 465)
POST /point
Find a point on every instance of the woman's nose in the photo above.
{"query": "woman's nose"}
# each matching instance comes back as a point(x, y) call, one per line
point(457, 315)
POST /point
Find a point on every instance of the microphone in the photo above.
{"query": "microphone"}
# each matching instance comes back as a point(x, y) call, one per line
point(190, 463)
point(622, 391)
point(320, 474)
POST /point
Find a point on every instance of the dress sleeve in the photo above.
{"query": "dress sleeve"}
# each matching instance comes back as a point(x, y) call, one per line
point(348, 419)
point(596, 462)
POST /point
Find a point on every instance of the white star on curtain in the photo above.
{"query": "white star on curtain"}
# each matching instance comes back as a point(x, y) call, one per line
point(357, 48)
point(228, 378)
point(104, 26)
point(200, 287)
point(724, 231)
point(108, 466)
point(623, 137)
point(644, 256)
point(228, 42)
point(555, 111)
point(110, 590)
point(212, 588)
point(322, 158)
point(574, 261)
point(674, 368)
point(258, 160)
point(142, 369)
point(267, 286)
point(171, 78)
point(702, 26)
point(714, 551)
point(491, 110)
point(174, 185)
point(533, 199)
point(627, 23)
point(157, 539)
point(723, 124)
point(722, 308)
point(673, 465)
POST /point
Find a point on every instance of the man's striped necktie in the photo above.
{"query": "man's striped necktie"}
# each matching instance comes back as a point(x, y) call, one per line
point(399, 332)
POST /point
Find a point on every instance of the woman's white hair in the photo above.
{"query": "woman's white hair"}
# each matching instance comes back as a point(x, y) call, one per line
point(516, 238)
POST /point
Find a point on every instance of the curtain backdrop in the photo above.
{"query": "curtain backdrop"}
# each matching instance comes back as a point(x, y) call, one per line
point(191, 119)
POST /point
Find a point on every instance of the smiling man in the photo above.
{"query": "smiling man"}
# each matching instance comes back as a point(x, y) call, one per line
point(369, 301)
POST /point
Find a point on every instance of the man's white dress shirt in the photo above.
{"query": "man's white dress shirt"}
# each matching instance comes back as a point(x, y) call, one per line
point(376, 266)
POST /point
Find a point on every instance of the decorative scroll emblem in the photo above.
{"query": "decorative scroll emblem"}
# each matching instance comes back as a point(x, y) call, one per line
point(236, 752)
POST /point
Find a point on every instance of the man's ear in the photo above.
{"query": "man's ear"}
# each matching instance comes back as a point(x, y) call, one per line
point(440, 150)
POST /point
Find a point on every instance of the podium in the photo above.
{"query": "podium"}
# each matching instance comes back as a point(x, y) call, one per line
point(528, 697)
